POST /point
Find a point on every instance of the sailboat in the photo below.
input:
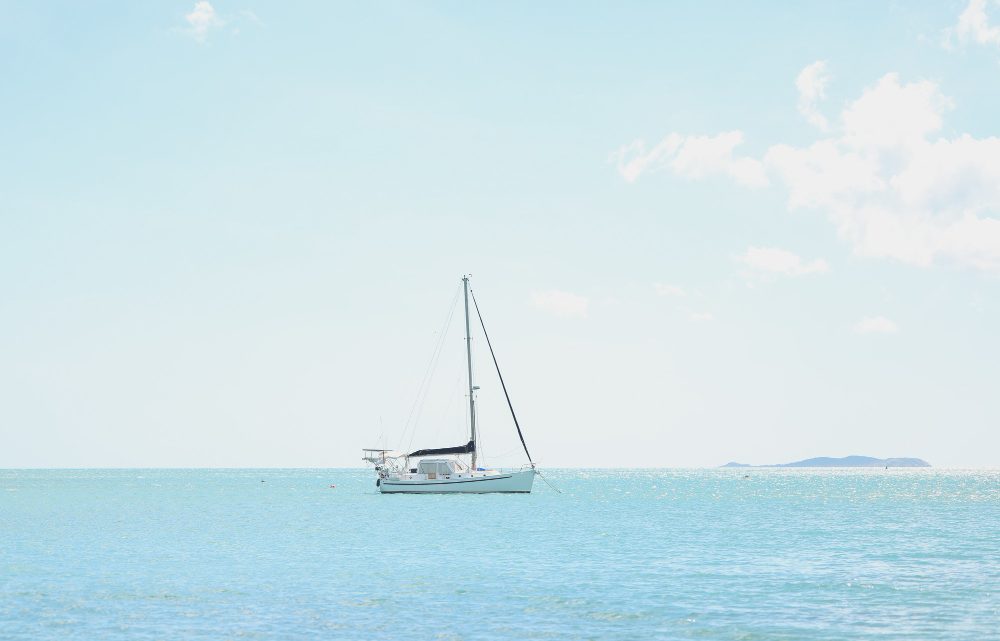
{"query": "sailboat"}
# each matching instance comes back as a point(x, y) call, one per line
point(444, 470)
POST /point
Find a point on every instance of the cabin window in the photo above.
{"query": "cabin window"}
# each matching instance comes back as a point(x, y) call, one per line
point(438, 468)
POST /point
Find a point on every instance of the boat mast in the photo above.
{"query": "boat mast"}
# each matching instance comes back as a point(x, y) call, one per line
point(472, 389)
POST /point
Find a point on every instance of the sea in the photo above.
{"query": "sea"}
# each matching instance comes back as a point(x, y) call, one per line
point(734, 554)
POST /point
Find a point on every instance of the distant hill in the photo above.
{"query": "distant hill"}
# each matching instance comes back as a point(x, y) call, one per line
point(845, 461)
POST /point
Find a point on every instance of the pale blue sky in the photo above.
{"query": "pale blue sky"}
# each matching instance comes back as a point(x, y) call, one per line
point(229, 232)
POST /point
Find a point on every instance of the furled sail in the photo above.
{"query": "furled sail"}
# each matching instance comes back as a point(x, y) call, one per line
point(458, 449)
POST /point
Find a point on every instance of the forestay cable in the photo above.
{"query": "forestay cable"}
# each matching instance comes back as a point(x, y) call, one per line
point(504, 386)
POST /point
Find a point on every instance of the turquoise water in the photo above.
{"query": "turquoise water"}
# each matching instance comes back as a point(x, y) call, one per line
point(647, 554)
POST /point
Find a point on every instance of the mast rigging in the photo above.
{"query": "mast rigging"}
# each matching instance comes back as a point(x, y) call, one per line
point(500, 376)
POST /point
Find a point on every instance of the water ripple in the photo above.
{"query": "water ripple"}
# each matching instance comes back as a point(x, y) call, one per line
point(621, 554)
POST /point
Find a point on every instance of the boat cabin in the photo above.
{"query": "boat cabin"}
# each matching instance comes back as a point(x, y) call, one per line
point(436, 468)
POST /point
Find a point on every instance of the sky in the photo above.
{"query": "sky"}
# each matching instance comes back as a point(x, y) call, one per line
point(231, 232)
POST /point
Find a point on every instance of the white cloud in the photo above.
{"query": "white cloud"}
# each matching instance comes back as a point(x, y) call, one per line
point(691, 157)
point(875, 325)
point(811, 83)
point(889, 182)
point(701, 317)
point(894, 116)
point(774, 261)
point(633, 159)
point(893, 189)
point(561, 303)
point(668, 290)
point(974, 25)
point(251, 17)
point(201, 20)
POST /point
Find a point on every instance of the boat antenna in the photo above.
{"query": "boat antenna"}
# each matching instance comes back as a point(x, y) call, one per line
point(504, 386)
point(472, 389)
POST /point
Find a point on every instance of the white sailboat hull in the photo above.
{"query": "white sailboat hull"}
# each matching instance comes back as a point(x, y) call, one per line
point(501, 482)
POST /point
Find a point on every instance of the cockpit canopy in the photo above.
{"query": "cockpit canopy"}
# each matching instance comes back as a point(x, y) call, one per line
point(440, 466)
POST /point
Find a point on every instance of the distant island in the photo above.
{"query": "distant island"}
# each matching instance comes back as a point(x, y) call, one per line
point(845, 461)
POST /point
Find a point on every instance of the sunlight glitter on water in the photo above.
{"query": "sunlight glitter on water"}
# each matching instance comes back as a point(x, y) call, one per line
point(621, 554)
